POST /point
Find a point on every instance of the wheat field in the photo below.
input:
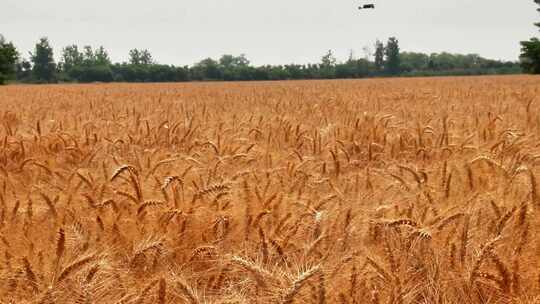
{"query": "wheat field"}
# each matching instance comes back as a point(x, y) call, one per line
point(367, 191)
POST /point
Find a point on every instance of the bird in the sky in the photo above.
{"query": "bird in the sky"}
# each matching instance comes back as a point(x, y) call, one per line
point(366, 6)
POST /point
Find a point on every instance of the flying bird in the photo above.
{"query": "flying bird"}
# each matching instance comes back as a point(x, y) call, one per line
point(367, 6)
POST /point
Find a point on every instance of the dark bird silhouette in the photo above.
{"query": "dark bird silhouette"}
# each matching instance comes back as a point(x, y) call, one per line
point(366, 6)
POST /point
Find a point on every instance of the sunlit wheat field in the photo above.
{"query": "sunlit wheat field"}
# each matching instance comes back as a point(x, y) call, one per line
point(365, 191)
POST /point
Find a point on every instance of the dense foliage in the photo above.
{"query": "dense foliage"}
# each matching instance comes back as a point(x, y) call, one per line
point(530, 52)
point(44, 67)
point(8, 57)
point(87, 64)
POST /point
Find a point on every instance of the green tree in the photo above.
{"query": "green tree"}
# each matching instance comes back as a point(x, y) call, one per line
point(530, 52)
point(411, 61)
point(230, 61)
point(24, 70)
point(88, 54)
point(8, 60)
point(328, 65)
point(379, 55)
point(99, 56)
point(44, 67)
point(234, 67)
point(146, 57)
point(140, 57)
point(328, 60)
point(134, 57)
point(392, 60)
point(71, 57)
point(207, 69)
point(88, 65)
point(530, 56)
point(102, 56)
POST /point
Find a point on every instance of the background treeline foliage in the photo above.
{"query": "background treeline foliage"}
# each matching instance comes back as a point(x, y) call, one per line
point(530, 52)
point(89, 64)
point(8, 58)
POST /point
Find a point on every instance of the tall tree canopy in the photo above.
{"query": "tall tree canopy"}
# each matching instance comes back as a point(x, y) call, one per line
point(207, 69)
point(379, 55)
point(231, 61)
point(8, 59)
point(44, 67)
point(328, 64)
point(530, 52)
point(140, 57)
point(87, 65)
point(71, 57)
point(391, 52)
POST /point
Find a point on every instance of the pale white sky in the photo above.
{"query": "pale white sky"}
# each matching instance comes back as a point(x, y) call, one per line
point(271, 31)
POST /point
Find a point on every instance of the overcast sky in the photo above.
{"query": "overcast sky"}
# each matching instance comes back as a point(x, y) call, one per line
point(270, 31)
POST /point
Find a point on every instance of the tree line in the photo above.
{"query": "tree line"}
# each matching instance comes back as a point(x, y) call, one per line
point(89, 64)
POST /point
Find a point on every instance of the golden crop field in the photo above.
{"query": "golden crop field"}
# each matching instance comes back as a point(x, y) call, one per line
point(366, 191)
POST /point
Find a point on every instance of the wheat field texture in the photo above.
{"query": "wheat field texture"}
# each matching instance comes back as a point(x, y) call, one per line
point(373, 191)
